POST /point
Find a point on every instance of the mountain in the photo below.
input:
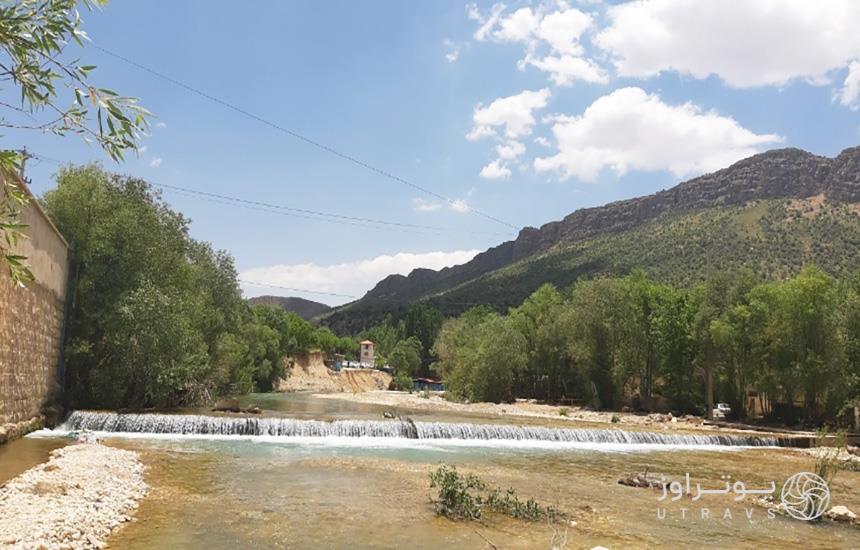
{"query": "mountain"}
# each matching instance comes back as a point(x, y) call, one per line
point(772, 213)
point(301, 307)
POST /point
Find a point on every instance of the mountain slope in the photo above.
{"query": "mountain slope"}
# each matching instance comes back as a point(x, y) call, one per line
point(301, 307)
point(772, 213)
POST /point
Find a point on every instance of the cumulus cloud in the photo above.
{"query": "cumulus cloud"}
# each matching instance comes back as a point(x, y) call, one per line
point(849, 93)
point(460, 206)
point(496, 170)
point(423, 205)
point(510, 150)
point(352, 278)
point(514, 113)
point(156, 162)
point(566, 69)
point(558, 33)
point(630, 129)
point(756, 43)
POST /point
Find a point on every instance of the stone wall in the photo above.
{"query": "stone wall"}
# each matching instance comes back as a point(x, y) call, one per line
point(31, 325)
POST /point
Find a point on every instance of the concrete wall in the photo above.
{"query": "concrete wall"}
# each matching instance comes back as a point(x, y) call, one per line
point(31, 324)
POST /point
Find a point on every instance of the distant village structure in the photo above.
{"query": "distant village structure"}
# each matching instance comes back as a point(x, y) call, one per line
point(366, 355)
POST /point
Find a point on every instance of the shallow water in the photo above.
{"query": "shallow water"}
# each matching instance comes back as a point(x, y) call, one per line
point(21, 455)
point(352, 492)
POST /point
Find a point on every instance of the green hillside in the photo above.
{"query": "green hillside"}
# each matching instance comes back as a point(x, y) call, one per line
point(773, 238)
point(772, 214)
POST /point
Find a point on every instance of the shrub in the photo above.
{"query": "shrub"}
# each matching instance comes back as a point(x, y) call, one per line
point(460, 497)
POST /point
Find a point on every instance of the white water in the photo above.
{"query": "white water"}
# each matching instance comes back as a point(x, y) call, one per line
point(390, 433)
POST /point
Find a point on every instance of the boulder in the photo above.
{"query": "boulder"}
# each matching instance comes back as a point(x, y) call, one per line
point(842, 514)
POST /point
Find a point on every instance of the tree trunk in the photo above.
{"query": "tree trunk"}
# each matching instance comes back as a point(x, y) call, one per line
point(709, 391)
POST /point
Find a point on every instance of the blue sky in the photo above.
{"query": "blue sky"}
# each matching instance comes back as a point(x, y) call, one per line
point(526, 111)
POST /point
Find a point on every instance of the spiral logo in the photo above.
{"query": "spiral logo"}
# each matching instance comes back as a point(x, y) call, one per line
point(805, 496)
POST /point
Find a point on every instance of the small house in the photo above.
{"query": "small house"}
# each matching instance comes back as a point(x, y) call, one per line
point(366, 353)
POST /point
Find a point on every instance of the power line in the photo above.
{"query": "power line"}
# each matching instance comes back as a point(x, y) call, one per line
point(291, 289)
point(296, 135)
point(298, 212)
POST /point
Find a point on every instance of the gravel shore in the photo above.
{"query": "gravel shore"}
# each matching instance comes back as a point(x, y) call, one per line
point(73, 501)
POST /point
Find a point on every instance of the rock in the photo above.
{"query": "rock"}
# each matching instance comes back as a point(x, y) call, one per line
point(599, 548)
point(841, 514)
point(107, 484)
point(642, 480)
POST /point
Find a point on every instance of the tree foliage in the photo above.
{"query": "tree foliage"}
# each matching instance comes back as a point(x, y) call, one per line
point(632, 341)
point(157, 317)
point(34, 38)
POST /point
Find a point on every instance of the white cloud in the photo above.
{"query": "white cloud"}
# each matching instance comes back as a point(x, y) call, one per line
point(542, 141)
point(495, 170)
point(558, 31)
point(563, 29)
point(486, 24)
point(632, 130)
point(161, 125)
point(566, 69)
point(513, 112)
point(453, 52)
point(142, 149)
point(353, 278)
point(849, 93)
point(460, 206)
point(520, 26)
point(423, 205)
point(753, 43)
point(510, 150)
point(156, 162)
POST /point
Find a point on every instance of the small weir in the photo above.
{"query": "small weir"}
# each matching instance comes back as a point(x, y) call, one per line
point(408, 429)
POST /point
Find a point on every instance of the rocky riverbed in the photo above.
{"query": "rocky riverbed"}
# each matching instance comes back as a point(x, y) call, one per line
point(73, 501)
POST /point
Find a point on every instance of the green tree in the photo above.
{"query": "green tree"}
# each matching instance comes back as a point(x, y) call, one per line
point(34, 37)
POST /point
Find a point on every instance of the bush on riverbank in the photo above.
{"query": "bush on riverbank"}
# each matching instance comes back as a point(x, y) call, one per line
point(461, 497)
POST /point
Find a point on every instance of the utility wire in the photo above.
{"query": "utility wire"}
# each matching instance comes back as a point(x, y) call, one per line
point(297, 212)
point(296, 135)
point(291, 289)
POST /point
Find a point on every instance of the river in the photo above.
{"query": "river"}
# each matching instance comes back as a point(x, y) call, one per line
point(304, 484)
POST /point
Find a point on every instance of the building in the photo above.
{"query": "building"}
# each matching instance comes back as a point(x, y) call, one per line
point(421, 384)
point(366, 355)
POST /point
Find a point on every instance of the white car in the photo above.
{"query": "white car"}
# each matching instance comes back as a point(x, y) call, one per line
point(722, 410)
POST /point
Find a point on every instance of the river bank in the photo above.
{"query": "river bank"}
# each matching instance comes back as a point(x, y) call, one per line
point(72, 501)
point(520, 408)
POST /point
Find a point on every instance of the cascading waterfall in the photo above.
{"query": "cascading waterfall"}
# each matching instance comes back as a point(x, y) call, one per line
point(290, 427)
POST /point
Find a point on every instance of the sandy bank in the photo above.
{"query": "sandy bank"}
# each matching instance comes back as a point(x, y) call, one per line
point(528, 408)
point(309, 373)
point(72, 501)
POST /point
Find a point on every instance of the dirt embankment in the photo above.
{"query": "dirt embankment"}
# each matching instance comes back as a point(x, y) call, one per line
point(309, 373)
